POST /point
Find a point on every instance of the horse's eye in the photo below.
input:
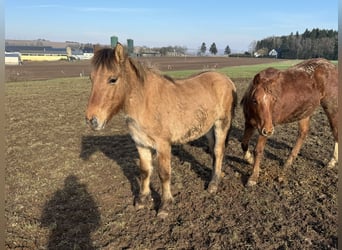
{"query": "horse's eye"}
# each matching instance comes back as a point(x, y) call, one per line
point(254, 101)
point(112, 80)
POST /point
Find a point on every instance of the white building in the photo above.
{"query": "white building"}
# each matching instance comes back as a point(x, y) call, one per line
point(13, 58)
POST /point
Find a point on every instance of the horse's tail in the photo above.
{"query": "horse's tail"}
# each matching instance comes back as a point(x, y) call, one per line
point(232, 114)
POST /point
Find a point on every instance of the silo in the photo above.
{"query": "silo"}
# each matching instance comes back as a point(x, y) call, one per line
point(130, 46)
point(113, 41)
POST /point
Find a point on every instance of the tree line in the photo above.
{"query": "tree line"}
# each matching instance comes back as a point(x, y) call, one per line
point(310, 44)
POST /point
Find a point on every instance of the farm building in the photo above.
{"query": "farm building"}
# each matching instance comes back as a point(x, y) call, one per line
point(13, 58)
point(274, 53)
point(47, 53)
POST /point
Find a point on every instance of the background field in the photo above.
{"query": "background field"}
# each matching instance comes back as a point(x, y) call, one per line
point(68, 187)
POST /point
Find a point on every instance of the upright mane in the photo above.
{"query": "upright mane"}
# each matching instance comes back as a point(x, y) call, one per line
point(104, 58)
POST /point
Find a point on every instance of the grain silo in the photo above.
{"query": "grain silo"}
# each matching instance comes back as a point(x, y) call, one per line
point(113, 41)
point(130, 46)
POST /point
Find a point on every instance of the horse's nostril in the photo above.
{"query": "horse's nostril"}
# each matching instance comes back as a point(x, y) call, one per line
point(93, 121)
point(264, 132)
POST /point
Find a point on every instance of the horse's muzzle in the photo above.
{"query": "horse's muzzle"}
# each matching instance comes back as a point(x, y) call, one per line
point(94, 123)
point(266, 133)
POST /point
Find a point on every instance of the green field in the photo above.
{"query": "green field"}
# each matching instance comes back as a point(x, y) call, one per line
point(244, 71)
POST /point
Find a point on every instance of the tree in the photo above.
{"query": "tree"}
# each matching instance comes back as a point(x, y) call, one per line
point(227, 50)
point(314, 43)
point(203, 48)
point(251, 47)
point(213, 49)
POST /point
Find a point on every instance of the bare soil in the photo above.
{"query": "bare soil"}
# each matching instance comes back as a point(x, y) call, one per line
point(68, 187)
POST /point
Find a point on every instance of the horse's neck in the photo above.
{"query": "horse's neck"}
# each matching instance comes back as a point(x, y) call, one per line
point(142, 95)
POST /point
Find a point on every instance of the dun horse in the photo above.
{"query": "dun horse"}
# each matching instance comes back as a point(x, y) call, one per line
point(277, 97)
point(160, 112)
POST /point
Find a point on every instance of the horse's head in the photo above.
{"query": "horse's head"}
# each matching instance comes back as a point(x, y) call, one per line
point(108, 86)
point(260, 99)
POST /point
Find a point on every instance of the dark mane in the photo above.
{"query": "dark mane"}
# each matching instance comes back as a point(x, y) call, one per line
point(104, 58)
point(139, 69)
point(169, 78)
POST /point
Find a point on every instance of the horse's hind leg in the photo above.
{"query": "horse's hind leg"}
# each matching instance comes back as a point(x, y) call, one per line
point(211, 140)
point(303, 132)
point(334, 158)
point(220, 133)
point(145, 156)
point(332, 114)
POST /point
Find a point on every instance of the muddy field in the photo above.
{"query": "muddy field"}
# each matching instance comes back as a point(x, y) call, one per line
point(68, 187)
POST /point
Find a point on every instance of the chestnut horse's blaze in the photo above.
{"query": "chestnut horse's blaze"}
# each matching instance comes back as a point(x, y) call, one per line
point(160, 112)
point(277, 97)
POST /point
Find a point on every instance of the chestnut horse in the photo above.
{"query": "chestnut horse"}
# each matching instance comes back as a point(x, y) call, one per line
point(159, 112)
point(277, 97)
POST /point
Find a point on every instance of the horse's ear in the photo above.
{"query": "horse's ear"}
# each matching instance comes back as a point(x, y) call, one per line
point(256, 79)
point(119, 53)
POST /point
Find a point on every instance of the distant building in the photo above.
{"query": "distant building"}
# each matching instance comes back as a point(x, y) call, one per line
point(13, 58)
point(274, 53)
point(47, 53)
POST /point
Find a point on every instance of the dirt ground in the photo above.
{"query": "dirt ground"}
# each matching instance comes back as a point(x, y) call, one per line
point(68, 187)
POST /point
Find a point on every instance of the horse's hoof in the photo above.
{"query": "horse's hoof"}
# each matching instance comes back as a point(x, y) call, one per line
point(331, 164)
point(162, 214)
point(251, 183)
point(249, 158)
point(141, 202)
point(212, 188)
point(139, 206)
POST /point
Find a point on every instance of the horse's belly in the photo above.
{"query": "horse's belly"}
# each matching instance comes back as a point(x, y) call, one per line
point(186, 132)
point(190, 134)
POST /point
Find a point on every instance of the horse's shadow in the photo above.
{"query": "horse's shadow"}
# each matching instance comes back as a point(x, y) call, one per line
point(122, 150)
point(235, 156)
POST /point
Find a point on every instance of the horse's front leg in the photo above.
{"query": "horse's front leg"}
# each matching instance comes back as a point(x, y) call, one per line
point(303, 131)
point(258, 154)
point(218, 153)
point(164, 171)
point(146, 167)
point(249, 131)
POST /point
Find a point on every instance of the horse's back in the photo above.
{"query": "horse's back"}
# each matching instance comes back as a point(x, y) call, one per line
point(192, 105)
point(206, 87)
point(210, 80)
point(322, 74)
point(298, 90)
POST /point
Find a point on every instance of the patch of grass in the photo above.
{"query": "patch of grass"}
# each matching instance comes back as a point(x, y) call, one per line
point(243, 71)
point(248, 71)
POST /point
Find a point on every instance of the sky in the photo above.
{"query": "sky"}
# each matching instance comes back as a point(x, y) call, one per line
point(158, 23)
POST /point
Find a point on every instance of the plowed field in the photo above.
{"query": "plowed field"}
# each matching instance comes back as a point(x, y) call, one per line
point(68, 187)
